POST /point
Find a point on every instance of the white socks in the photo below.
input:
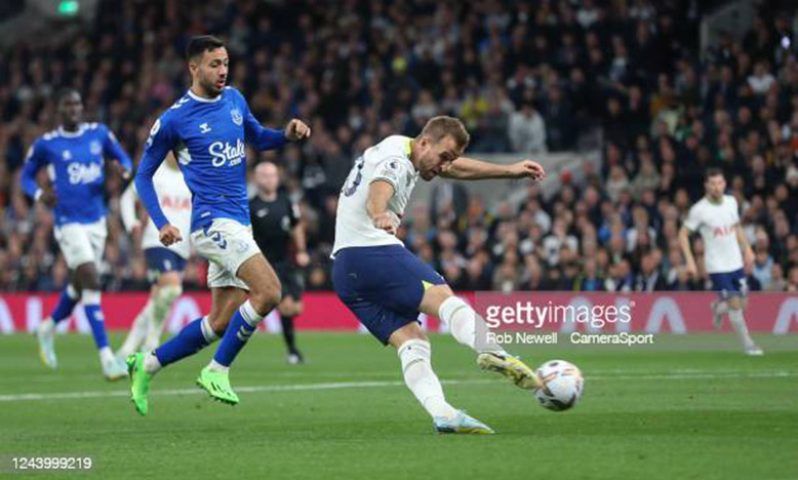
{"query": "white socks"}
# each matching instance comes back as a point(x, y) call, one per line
point(466, 326)
point(738, 323)
point(415, 356)
point(106, 355)
point(137, 332)
point(161, 303)
point(151, 363)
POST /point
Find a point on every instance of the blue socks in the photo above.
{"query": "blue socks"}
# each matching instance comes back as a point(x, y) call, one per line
point(241, 327)
point(94, 314)
point(66, 303)
point(191, 339)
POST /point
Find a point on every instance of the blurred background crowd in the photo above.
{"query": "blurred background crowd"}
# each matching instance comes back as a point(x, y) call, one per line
point(626, 77)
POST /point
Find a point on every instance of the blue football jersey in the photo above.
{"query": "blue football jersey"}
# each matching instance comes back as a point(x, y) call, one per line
point(75, 164)
point(207, 137)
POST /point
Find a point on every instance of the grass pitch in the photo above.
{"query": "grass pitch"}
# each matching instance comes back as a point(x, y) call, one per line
point(686, 407)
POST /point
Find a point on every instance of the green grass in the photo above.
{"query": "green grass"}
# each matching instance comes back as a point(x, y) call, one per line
point(687, 407)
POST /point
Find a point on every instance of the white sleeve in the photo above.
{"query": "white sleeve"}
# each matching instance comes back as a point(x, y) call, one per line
point(127, 207)
point(391, 170)
point(693, 220)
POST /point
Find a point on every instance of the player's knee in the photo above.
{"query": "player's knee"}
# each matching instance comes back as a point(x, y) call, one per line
point(266, 297)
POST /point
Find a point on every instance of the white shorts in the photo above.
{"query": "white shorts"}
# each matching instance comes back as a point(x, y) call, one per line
point(227, 244)
point(82, 243)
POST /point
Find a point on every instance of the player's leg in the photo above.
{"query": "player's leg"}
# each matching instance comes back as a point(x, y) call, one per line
point(470, 329)
point(737, 320)
point(290, 306)
point(192, 338)
point(45, 332)
point(415, 354)
point(732, 288)
point(170, 287)
point(264, 294)
point(138, 331)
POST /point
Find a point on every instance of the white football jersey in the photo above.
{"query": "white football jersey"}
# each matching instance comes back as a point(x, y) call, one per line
point(717, 224)
point(175, 199)
point(389, 160)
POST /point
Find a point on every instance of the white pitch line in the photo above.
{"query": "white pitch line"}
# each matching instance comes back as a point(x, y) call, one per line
point(375, 384)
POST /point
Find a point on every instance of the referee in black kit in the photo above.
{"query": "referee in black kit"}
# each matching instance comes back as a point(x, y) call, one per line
point(276, 225)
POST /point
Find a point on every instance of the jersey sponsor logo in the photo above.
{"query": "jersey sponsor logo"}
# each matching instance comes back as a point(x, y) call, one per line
point(81, 173)
point(175, 203)
point(204, 127)
point(722, 231)
point(95, 148)
point(235, 114)
point(224, 152)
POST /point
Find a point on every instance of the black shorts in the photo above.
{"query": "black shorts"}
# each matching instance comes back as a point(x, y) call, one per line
point(291, 278)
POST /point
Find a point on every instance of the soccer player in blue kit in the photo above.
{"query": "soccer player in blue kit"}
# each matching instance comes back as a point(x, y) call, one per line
point(206, 129)
point(74, 155)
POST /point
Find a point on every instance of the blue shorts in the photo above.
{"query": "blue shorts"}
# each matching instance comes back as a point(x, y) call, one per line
point(161, 260)
point(729, 284)
point(383, 286)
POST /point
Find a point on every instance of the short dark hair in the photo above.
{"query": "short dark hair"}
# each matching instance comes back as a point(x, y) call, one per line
point(201, 44)
point(63, 92)
point(439, 127)
point(712, 172)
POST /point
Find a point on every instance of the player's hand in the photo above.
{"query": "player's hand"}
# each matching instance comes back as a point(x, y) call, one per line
point(297, 130)
point(528, 169)
point(121, 171)
point(302, 259)
point(387, 221)
point(748, 260)
point(135, 229)
point(169, 234)
point(692, 271)
point(48, 197)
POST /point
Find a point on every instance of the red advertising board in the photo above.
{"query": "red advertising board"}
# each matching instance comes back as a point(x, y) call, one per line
point(648, 312)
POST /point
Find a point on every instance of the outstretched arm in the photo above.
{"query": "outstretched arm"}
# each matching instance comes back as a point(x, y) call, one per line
point(465, 168)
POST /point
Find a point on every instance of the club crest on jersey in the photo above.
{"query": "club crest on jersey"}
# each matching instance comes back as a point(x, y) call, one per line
point(95, 148)
point(236, 116)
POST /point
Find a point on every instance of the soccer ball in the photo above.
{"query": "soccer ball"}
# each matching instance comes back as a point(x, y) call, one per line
point(562, 385)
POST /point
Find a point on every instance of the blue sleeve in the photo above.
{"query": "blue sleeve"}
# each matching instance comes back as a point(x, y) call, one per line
point(159, 144)
point(257, 135)
point(111, 148)
point(35, 161)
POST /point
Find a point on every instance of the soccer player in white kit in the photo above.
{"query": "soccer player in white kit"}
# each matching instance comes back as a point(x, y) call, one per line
point(165, 265)
point(726, 250)
point(386, 286)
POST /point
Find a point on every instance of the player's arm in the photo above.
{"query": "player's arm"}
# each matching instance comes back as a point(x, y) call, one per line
point(35, 161)
point(263, 138)
point(380, 193)
point(127, 208)
point(298, 236)
point(159, 144)
point(464, 168)
point(112, 149)
point(691, 224)
point(745, 247)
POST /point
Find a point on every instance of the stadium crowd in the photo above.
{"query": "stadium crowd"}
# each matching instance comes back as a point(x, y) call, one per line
point(525, 77)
